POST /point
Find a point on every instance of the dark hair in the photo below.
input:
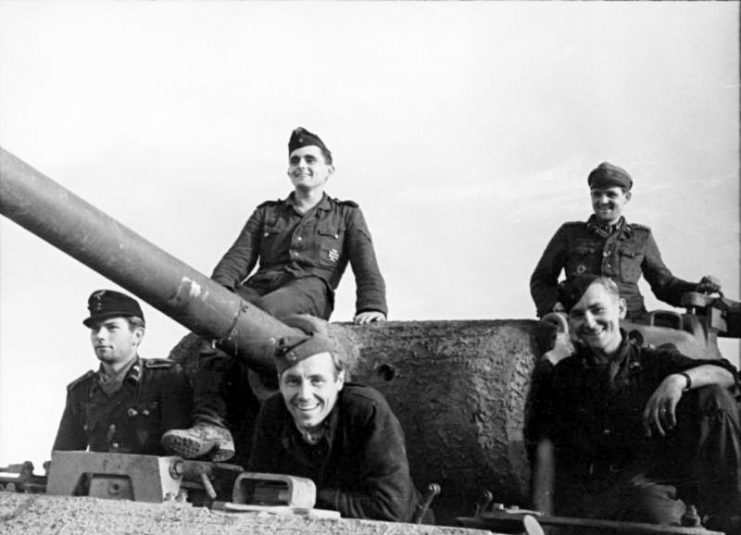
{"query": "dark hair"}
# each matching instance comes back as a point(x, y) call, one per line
point(135, 322)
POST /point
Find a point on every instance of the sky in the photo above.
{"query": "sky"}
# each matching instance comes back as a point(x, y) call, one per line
point(464, 130)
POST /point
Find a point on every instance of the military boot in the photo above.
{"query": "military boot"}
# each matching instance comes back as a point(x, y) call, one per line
point(201, 439)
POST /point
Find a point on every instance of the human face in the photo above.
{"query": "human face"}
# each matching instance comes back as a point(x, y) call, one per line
point(114, 341)
point(310, 389)
point(307, 168)
point(595, 319)
point(608, 203)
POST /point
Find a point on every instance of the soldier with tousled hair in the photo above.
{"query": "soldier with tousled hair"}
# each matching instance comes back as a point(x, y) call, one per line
point(341, 435)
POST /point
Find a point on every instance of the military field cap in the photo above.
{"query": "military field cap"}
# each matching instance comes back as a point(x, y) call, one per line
point(301, 137)
point(105, 304)
point(295, 348)
point(607, 175)
point(571, 290)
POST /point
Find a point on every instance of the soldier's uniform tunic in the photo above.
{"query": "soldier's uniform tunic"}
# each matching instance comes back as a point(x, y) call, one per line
point(607, 468)
point(302, 258)
point(359, 466)
point(623, 254)
point(155, 396)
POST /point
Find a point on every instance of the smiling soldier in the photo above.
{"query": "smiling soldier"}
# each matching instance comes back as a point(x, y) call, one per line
point(631, 433)
point(341, 435)
point(303, 245)
point(127, 404)
point(610, 246)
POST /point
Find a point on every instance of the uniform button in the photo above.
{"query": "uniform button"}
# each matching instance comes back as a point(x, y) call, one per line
point(115, 445)
point(132, 412)
point(299, 238)
point(609, 265)
point(606, 431)
point(145, 412)
point(606, 253)
point(265, 235)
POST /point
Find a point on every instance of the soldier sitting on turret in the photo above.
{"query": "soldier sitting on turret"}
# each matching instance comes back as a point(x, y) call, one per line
point(303, 245)
point(608, 245)
point(631, 433)
point(127, 404)
point(341, 435)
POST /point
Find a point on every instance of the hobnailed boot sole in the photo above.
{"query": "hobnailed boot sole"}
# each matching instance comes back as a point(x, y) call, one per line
point(186, 445)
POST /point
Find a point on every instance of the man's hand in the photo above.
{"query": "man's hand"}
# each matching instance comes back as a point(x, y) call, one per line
point(562, 345)
point(659, 414)
point(708, 284)
point(370, 316)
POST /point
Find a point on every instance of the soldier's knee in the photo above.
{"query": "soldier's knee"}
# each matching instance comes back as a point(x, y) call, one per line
point(713, 400)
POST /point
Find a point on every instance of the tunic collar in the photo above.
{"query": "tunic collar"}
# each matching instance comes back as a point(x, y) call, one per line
point(132, 372)
point(606, 231)
point(323, 204)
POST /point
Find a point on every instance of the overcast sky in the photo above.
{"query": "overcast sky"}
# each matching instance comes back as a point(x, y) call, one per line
point(465, 131)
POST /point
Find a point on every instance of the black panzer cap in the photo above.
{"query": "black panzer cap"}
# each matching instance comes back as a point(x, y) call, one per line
point(105, 304)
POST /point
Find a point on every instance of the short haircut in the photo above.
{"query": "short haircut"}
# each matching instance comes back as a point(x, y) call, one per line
point(135, 322)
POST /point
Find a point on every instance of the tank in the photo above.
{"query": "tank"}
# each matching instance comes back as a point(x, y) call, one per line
point(459, 388)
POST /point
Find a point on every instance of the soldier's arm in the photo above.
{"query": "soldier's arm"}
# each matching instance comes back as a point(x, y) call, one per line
point(371, 288)
point(71, 433)
point(664, 284)
point(242, 256)
point(264, 456)
point(387, 491)
point(544, 280)
point(544, 476)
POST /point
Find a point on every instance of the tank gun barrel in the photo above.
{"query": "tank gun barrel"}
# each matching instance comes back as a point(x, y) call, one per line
point(71, 224)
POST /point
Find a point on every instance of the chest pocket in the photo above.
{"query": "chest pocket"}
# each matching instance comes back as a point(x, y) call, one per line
point(273, 236)
point(630, 260)
point(329, 244)
point(584, 259)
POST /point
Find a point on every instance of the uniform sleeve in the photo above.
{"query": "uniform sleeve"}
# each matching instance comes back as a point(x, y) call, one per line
point(539, 406)
point(71, 433)
point(371, 288)
point(544, 280)
point(668, 361)
point(265, 444)
point(241, 258)
point(387, 491)
point(177, 401)
point(664, 285)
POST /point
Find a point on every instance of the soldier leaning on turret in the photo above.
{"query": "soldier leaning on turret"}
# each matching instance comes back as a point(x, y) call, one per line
point(608, 245)
point(303, 245)
point(129, 402)
point(341, 435)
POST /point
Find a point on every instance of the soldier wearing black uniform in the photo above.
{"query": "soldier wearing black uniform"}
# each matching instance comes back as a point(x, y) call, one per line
point(129, 402)
point(607, 245)
point(301, 246)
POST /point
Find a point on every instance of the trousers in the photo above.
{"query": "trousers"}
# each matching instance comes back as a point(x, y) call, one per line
point(698, 463)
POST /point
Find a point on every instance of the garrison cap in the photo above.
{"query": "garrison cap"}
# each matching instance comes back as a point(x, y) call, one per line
point(295, 348)
point(607, 175)
point(105, 304)
point(571, 290)
point(301, 137)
